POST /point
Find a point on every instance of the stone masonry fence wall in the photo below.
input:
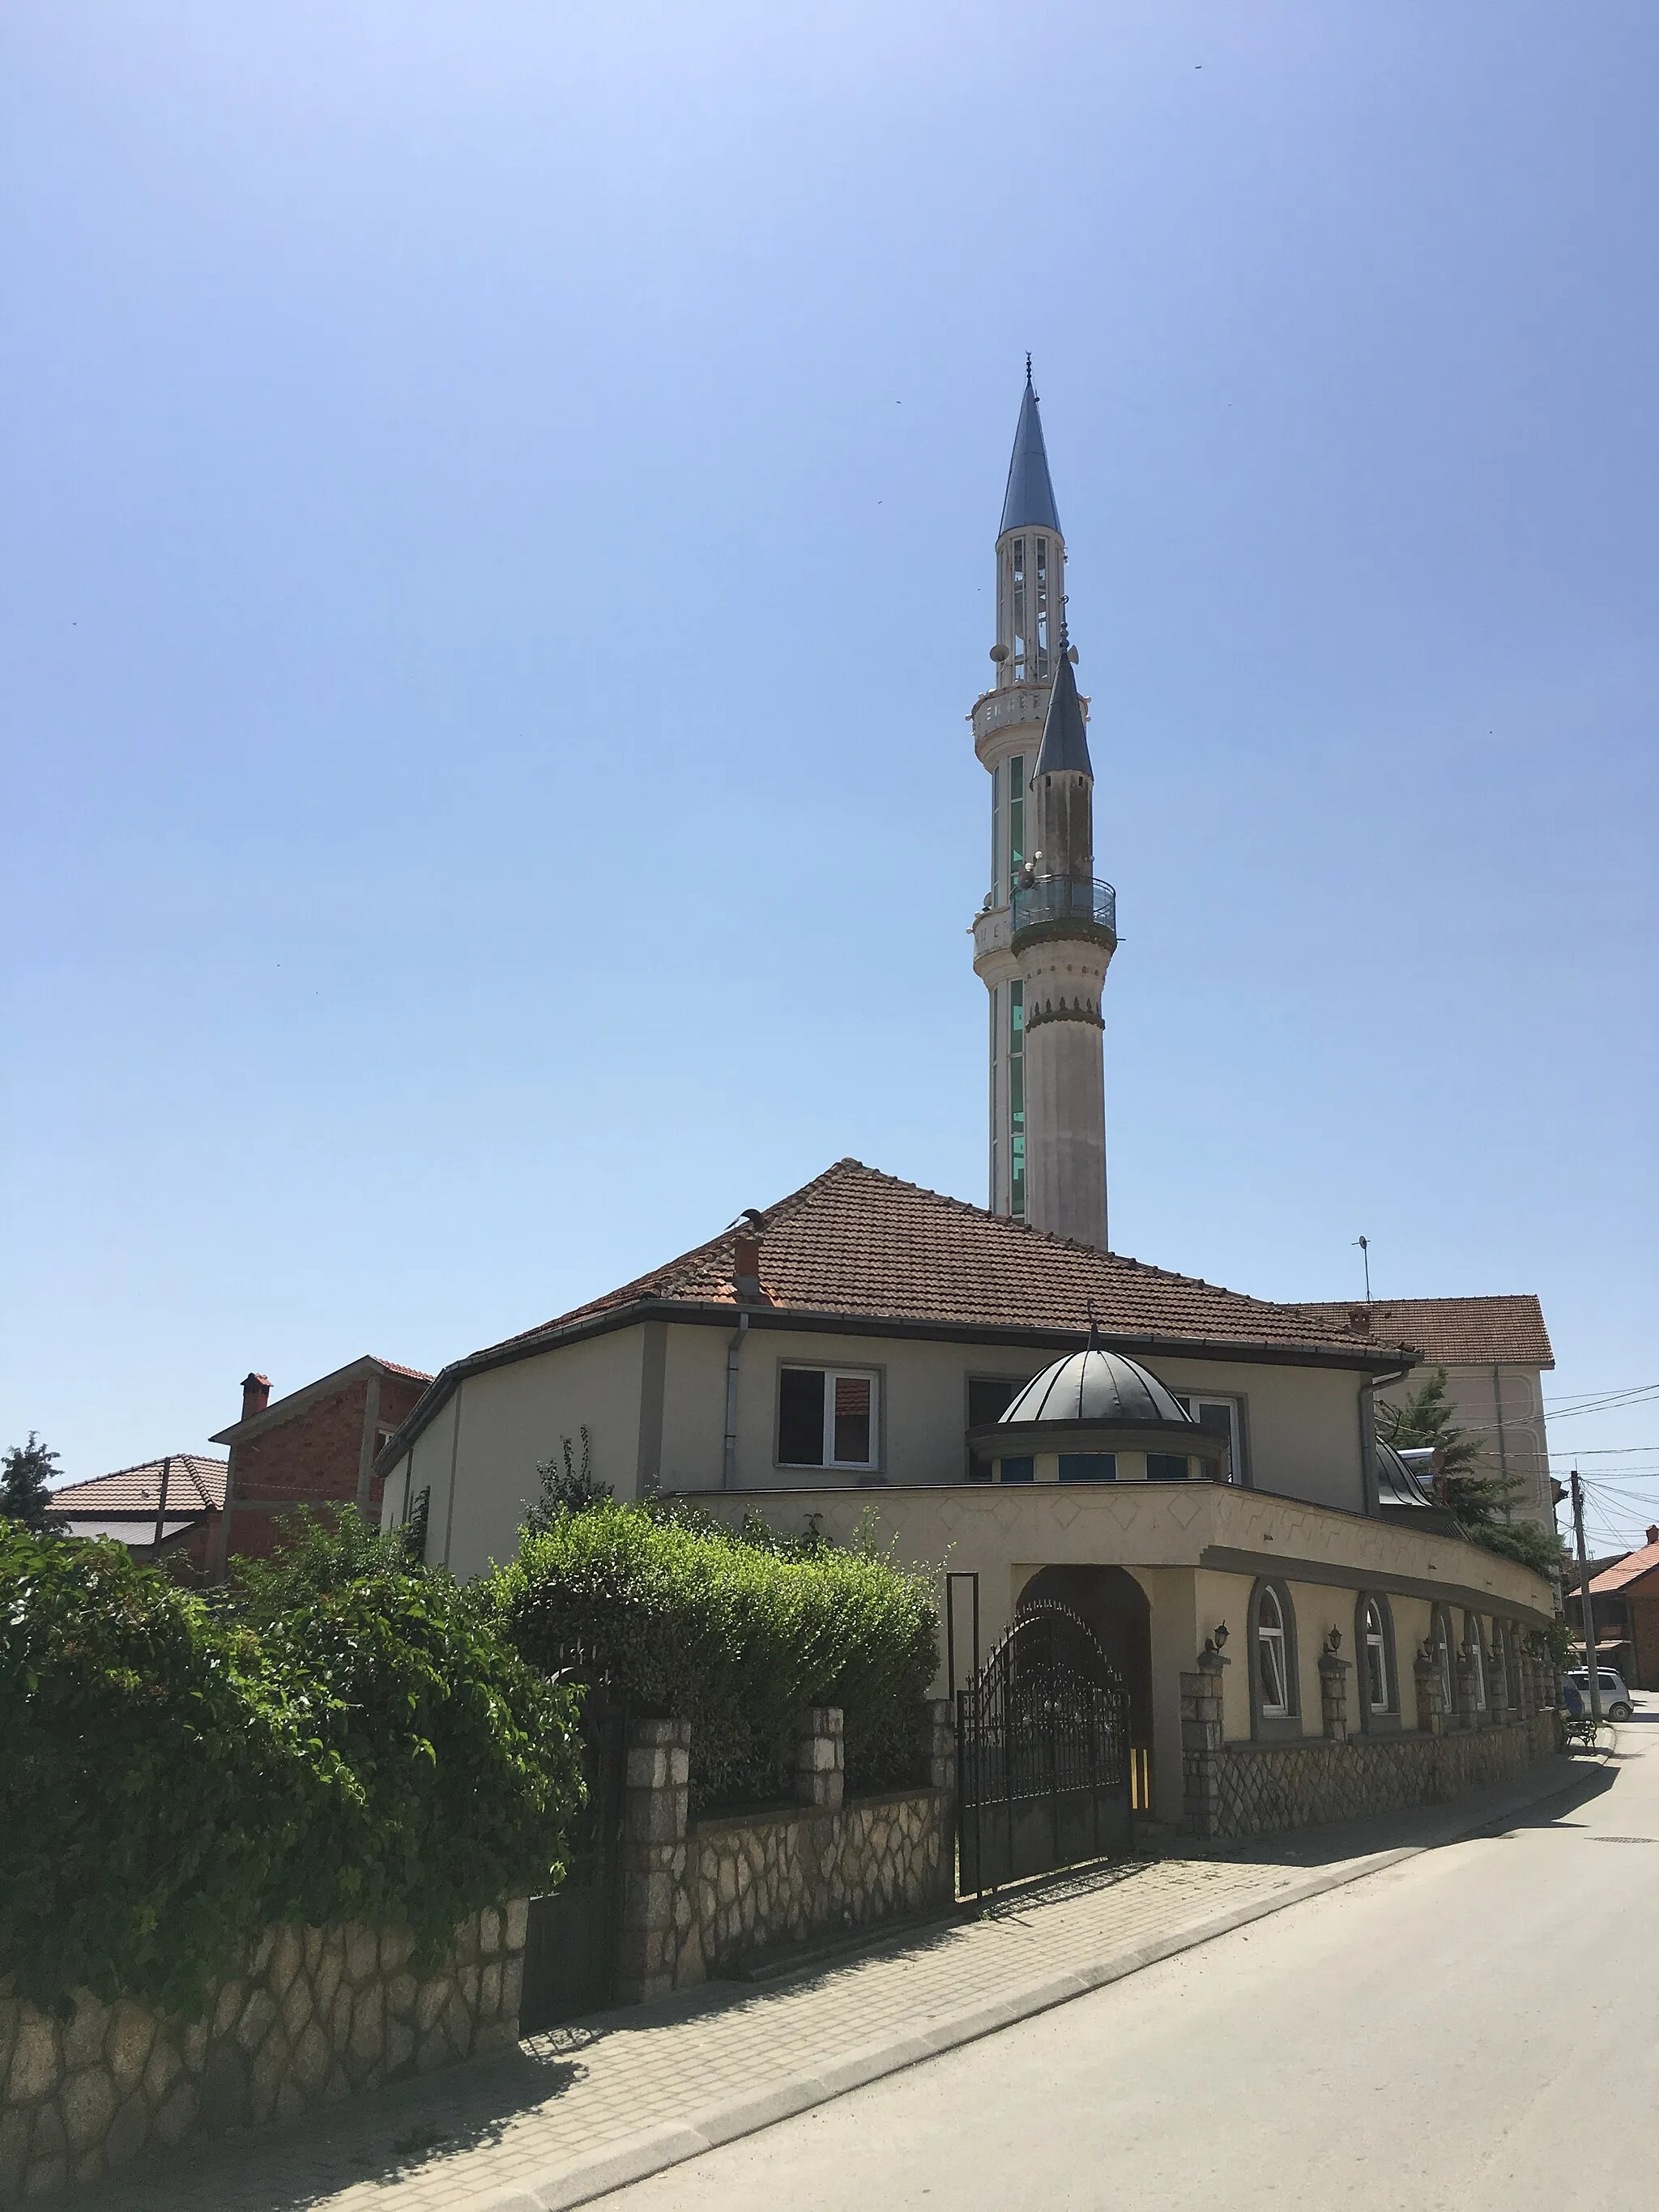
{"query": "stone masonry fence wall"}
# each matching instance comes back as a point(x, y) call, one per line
point(1233, 1790)
point(698, 1900)
point(316, 2014)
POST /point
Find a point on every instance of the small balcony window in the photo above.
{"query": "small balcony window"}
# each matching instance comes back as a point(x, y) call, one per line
point(1166, 1467)
point(1088, 1467)
point(827, 1417)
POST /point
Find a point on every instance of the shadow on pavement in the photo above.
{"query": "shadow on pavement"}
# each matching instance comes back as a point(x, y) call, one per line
point(385, 2137)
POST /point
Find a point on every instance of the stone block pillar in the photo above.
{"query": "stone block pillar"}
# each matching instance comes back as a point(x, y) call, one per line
point(941, 1745)
point(656, 1912)
point(1333, 1696)
point(1200, 1745)
point(821, 1760)
point(1430, 1695)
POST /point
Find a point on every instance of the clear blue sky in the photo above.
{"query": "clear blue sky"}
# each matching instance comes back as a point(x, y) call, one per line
point(497, 516)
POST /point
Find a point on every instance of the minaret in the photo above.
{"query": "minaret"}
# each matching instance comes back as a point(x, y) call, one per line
point(1047, 932)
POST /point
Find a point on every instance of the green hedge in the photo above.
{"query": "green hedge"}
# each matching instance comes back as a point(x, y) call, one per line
point(174, 1774)
point(737, 1632)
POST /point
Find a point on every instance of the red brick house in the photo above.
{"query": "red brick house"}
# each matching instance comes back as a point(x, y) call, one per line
point(315, 1447)
point(167, 1510)
point(1626, 1599)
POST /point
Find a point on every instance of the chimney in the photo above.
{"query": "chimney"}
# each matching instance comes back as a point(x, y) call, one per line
point(1359, 1320)
point(256, 1395)
point(746, 1253)
point(1653, 1535)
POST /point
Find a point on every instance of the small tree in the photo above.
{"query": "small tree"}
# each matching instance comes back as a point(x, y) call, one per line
point(26, 1474)
point(1481, 1502)
point(565, 1488)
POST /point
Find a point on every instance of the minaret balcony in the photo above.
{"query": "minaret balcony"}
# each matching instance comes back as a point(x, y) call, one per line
point(1056, 907)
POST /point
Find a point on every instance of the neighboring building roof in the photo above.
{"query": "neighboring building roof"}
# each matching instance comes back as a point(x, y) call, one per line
point(1064, 741)
point(194, 1485)
point(283, 1409)
point(861, 1249)
point(1459, 1332)
point(1629, 1569)
point(1030, 497)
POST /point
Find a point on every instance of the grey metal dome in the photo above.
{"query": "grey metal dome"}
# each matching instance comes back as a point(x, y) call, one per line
point(1097, 1386)
point(1398, 1481)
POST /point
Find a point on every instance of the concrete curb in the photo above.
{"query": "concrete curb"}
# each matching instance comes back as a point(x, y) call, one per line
point(635, 2158)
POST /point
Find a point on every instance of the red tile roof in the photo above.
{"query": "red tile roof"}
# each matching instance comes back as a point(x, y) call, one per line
point(194, 1485)
point(1629, 1569)
point(415, 1374)
point(859, 1243)
point(1460, 1332)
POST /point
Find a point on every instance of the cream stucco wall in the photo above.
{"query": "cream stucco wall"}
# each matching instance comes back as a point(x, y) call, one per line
point(497, 1428)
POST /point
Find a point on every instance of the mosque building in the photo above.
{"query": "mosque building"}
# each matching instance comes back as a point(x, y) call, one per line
point(1194, 1472)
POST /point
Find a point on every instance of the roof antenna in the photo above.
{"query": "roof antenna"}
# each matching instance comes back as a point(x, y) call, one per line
point(1027, 368)
point(1364, 1244)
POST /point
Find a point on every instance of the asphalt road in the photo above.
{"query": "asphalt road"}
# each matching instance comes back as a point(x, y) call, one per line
point(1477, 2028)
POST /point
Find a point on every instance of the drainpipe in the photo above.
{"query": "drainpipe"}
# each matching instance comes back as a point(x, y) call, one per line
point(729, 1454)
point(1368, 1439)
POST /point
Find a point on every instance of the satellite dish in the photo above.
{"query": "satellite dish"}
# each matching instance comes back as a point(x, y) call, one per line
point(999, 653)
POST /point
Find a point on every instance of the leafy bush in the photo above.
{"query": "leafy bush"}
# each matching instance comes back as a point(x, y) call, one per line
point(454, 1763)
point(152, 1777)
point(736, 1631)
point(345, 1738)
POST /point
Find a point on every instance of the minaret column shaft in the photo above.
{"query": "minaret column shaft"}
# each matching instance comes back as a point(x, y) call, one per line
point(1065, 1114)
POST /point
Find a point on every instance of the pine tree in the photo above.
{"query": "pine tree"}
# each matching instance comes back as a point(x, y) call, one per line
point(26, 1474)
point(1482, 1503)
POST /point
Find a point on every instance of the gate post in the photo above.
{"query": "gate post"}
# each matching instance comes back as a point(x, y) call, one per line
point(821, 1760)
point(940, 1773)
point(656, 1915)
point(1200, 1744)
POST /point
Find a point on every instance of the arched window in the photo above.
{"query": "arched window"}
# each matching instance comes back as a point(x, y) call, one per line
point(1475, 1653)
point(1441, 1644)
point(1374, 1658)
point(1272, 1658)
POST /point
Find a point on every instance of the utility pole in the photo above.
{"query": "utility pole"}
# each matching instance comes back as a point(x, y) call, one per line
point(161, 1506)
point(1586, 1610)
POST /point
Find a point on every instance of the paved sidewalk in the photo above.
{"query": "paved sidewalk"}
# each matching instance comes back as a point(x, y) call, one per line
point(586, 2109)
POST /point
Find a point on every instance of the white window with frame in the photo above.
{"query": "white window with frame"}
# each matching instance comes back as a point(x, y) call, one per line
point(1222, 1417)
point(1272, 1659)
point(828, 1417)
point(1376, 1660)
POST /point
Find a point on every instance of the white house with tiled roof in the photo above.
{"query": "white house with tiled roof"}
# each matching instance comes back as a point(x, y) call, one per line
point(1188, 1466)
point(847, 1355)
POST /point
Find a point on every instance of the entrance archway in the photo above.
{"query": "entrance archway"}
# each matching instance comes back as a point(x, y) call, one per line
point(1111, 1602)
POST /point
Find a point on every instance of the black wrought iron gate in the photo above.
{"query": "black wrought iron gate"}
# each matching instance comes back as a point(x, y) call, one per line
point(1042, 1754)
point(570, 1947)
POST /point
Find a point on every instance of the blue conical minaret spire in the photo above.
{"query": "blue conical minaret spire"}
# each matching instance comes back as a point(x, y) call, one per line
point(1028, 502)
